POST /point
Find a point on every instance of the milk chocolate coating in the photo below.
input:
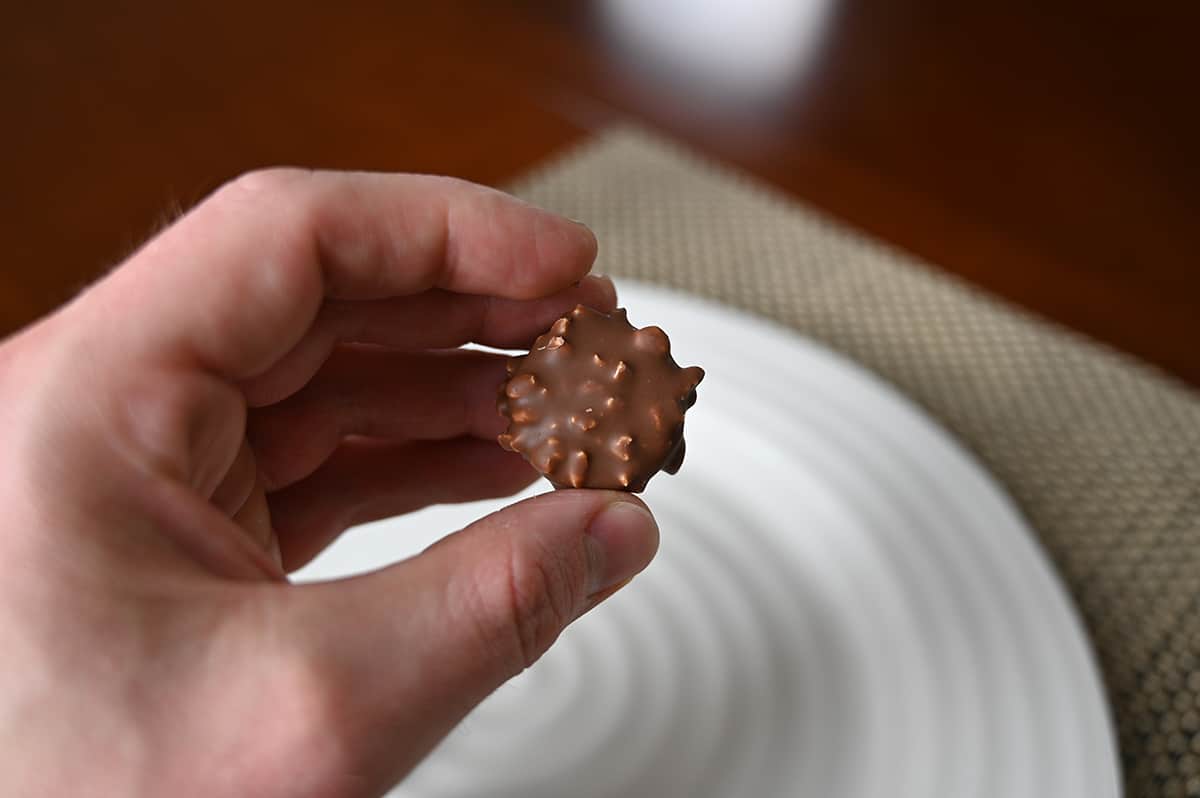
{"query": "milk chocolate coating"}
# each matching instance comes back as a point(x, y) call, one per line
point(598, 403)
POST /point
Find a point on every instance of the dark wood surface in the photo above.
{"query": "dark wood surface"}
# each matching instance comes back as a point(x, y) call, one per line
point(1047, 153)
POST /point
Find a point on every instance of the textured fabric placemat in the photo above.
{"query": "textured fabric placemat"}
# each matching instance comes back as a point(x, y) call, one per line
point(1102, 453)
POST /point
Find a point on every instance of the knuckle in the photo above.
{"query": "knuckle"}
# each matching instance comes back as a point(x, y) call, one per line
point(283, 199)
point(311, 684)
point(273, 180)
point(186, 427)
point(540, 604)
point(284, 208)
point(530, 596)
point(309, 713)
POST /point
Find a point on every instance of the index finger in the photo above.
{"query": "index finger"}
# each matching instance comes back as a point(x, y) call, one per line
point(236, 282)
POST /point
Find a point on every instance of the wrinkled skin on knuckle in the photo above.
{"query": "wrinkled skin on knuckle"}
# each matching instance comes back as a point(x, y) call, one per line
point(543, 601)
point(527, 595)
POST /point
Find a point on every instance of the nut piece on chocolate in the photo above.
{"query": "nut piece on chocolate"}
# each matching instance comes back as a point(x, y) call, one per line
point(598, 403)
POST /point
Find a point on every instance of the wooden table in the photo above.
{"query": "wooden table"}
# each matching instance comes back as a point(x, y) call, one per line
point(1048, 154)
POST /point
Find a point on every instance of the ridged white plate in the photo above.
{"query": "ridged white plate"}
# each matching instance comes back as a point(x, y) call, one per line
point(844, 604)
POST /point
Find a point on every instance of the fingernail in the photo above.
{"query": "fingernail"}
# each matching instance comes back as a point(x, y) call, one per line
point(591, 234)
point(607, 281)
point(621, 539)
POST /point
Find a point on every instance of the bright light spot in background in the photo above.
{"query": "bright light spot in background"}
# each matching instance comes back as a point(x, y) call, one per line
point(754, 47)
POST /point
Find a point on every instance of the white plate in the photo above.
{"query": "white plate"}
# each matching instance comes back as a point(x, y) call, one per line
point(844, 604)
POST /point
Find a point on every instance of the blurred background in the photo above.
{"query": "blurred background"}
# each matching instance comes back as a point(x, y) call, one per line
point(1045, 151)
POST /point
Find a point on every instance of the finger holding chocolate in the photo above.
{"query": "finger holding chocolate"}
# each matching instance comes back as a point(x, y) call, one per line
point(598, 403)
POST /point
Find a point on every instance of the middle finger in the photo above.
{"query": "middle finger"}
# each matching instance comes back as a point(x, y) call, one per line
point(382, 394)
point(435, 319)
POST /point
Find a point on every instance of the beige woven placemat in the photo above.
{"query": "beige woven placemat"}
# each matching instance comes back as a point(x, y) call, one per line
point(1102, 453)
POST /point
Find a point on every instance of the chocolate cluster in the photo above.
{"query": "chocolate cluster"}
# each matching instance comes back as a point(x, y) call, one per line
point(598, 403)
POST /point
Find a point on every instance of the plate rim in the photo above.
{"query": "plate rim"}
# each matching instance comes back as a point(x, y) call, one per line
point(954, 444)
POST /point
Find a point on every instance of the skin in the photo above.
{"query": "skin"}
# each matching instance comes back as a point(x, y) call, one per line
point(270, 370)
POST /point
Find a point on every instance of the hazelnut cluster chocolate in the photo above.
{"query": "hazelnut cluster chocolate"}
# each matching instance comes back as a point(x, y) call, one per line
point(598, 403)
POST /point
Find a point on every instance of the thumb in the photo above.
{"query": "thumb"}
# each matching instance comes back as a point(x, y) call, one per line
point(413, 647)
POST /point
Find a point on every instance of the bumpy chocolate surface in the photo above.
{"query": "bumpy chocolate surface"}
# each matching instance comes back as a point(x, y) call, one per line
point(598, 403)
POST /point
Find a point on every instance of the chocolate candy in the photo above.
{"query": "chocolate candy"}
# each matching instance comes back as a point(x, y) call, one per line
point(598, 403)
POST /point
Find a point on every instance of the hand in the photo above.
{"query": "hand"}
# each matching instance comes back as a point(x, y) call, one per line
point(273, 368)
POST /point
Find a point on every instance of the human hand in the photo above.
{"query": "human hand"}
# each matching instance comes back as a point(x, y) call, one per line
point(268, 371)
